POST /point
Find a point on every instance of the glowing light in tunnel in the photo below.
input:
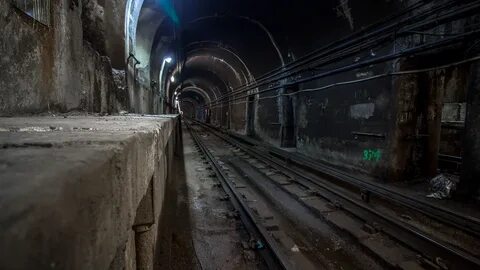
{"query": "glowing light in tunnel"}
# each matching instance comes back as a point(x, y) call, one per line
point(166, 60)
point(177, 105)
point(172, 79)
point(169, 9)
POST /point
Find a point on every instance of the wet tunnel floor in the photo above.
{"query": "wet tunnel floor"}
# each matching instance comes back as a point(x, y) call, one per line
point(200, 229)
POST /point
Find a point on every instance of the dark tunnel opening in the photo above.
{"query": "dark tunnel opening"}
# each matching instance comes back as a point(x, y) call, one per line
point(330, 95)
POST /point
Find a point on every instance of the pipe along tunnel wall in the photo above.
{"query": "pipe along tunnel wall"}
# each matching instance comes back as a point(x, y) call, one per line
point(260, 81)
point(383, 89)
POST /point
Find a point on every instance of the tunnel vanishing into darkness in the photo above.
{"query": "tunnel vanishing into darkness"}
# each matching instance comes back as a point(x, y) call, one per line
point(355, 121)
point(279, 72)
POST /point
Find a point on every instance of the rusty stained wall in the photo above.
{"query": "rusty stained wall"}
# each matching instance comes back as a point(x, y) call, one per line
point(26, 62)
point(312, 111)
point(238, 117)
point(101, 92)
point(430, 107)
point(453, 83)
point(346, 126)
point(379, 127)
point(267, 122)
point(143, 97)
point(391, 128)
point(52, 68)
point(114, 18)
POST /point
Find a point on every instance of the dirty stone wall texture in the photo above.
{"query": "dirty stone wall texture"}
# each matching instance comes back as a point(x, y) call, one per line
point(140, 92)
point(372, 127)
point(338, 125)
point(98, 200)
point(429, 107)
point(101, 91)
point(141, 36)
point(308, 33)
point(454, 108)
point(49, 68)
point(114, 17)
point(93, 25)
point(327, 121)
point(471, 157)
point(26, 61)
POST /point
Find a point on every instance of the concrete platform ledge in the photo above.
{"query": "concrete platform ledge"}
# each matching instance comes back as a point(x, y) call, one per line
point(83, 192)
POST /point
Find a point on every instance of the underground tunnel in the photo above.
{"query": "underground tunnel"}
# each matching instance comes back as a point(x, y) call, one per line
point(210, 134)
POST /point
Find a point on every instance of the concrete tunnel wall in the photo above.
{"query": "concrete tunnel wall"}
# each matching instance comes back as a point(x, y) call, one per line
point(373, 127)
point(327, 123)
point(52, 67)
point(343, 125)
point(68, 64)
point(93, 192)
point(93, 196)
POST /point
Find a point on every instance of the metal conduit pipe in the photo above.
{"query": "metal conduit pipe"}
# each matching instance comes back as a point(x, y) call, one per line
point(315, 55)
point(349, 37)
point(377, 60)
point(284, 74)
point(353, 38)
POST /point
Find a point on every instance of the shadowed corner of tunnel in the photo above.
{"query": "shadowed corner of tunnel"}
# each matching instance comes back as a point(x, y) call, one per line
point(175, 247)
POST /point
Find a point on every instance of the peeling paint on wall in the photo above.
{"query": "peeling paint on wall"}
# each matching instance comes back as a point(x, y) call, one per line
point(454, 112)
point(362, 111)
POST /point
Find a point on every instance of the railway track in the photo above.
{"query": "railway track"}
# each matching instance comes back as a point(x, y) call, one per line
point(358, 219)
point(272, 257)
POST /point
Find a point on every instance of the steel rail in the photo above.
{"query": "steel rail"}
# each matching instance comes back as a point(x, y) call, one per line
point(459, 221)
point(272, 254)
point(430, 247)
point(463, 222)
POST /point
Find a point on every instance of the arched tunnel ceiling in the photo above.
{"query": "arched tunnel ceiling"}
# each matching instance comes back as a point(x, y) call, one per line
point(218, 51)
point(213, 85)
point(238, 41)
point(217, 65)
point(253, 42)
point(206, 45)
point(193, 94)
point(149, 20)
point(221, 69)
